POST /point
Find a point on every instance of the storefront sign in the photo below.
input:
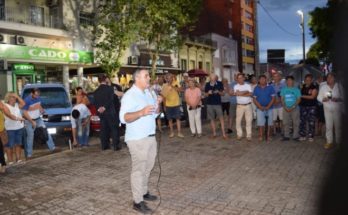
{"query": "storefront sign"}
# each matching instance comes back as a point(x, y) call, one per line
point(23, 67)
point(44, 54)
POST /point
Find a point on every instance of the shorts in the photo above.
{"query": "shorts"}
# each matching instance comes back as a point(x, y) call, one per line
point(233, 111)
point(261, 117)
point(225, 108)
point(173, 112)
point(278, 113)
point(15, 137)
point(214, 111)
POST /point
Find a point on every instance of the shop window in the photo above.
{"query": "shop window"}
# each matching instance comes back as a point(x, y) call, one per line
point(37, 15)
point(86, 18)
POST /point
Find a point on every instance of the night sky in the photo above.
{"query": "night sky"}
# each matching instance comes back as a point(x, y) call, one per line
point(285, 13)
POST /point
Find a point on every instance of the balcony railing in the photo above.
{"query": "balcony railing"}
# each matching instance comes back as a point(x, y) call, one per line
point(228, 61)
point(30, 17)
point(204, 41)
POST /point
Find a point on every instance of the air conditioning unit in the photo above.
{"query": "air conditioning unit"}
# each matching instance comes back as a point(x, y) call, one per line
point(133, 60)
point(19, 40)
point(3, 38)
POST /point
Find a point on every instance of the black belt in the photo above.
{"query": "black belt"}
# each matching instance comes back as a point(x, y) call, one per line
point(152, 135)
point(245, 104)
point(36, 119)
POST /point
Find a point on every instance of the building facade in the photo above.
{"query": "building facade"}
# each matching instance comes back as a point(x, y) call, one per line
point(42, 40)
point(235, 20)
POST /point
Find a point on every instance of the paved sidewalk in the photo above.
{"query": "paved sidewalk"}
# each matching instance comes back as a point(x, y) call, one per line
point(199, 176)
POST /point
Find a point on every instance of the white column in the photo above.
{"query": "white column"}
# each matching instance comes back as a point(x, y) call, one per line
point(80, 75)
point(66, 78)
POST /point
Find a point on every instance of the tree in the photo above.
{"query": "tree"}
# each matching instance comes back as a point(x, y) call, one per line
point(117, 26)
point(161, 22)
point(322, 23)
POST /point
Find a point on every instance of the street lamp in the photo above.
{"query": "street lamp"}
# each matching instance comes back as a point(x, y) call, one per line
point(300, 13)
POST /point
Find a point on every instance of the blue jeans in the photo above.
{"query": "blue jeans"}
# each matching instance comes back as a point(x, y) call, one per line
point(82, 133)
point(30, 137)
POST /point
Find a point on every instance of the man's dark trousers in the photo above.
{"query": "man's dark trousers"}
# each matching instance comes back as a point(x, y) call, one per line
point(109, 128)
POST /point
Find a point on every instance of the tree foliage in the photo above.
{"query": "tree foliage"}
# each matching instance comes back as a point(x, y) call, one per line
point(322, 24)
point(117, 27)
point(161, 22)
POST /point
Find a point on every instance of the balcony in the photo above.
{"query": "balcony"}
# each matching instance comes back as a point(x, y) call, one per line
point(31, 22)
point(33, 16)
point(202, 41)
point(228, 62)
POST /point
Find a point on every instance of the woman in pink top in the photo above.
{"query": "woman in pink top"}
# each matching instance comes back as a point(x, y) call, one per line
point(193, 101)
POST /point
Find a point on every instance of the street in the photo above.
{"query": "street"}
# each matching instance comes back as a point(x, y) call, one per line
point(199, 176)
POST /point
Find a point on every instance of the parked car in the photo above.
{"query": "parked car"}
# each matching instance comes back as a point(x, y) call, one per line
point(55, 101)
point(95, 120)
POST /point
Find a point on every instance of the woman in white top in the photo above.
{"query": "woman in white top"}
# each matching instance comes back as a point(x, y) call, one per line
point(331, 95)
point(14, 124)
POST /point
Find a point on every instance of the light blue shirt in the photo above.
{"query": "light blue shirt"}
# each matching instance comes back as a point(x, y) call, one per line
point(233, 99)
point(132, 101)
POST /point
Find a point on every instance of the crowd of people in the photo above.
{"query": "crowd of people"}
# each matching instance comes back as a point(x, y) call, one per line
point(274, 104)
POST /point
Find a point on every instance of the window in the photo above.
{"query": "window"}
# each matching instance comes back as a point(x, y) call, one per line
point(2, 9)
point(55, 21)
point(183, 65)
point(37, 15)
point(248, 53)
point(248, 2)
point(248, 40)
point(248, 15)
point(200, 65)
point(248, 27)
point(192, 64)
point(86, 18)
point(207, 66)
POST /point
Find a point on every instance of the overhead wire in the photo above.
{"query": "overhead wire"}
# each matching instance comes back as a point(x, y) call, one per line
point(275, 21)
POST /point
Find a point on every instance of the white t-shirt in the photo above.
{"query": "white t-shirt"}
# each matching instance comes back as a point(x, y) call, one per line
point(84, 113)
point(243, 99)
point(11, 124)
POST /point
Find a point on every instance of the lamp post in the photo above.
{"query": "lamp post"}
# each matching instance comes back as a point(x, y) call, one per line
point(300, 13)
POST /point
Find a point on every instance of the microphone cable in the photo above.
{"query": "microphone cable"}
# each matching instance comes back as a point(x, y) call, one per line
point(159, 142)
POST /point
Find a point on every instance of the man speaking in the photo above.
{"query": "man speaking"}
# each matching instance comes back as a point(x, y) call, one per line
point(139, 109)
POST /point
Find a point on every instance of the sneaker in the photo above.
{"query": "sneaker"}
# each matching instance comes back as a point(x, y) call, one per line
point(328, 146)
point(171, 135)
point(142, 208)
point(229, 131)
point(10, 163)
point(310, 139)
point(239, 138)
point(302, 139)
point(149, 197)
point(193, 135)
point(296, 139)
point(19, 161)
point(199, 135)
point(249, 139)
point(180, 135)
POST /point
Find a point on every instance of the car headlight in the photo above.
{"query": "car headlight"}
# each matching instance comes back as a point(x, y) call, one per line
point(95, 118)
point(66, 118)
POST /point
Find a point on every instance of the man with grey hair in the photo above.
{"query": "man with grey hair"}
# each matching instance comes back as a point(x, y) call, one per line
point(139, 109)
point(214, 90)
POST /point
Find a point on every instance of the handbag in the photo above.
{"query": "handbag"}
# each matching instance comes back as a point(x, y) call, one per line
point(4, 137)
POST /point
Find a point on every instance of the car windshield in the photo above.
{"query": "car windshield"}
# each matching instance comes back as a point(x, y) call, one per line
point(51, 97)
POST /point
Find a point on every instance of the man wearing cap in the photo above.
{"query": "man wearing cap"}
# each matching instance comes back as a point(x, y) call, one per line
point(139, 109)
